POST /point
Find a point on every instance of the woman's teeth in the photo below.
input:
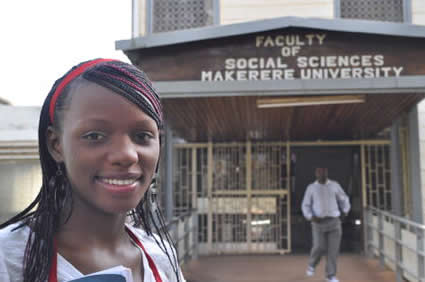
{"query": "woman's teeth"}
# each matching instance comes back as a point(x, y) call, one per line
point(118, 181)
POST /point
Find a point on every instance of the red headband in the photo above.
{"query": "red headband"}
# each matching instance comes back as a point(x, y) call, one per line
point(73, 74)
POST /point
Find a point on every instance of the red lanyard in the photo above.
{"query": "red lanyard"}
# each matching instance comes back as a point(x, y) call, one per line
point(150, 260)
point(53, 269)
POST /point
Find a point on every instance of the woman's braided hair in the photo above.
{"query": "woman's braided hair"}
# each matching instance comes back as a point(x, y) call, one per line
point(51, 208)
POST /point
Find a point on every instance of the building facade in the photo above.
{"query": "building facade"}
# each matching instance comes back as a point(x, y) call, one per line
point(258, 93)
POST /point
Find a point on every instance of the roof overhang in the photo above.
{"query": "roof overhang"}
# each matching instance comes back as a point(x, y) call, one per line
point(221, 31)
point(185, 89)
point(210, 106)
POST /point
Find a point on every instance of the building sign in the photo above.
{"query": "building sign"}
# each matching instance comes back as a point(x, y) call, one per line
point(287, 54)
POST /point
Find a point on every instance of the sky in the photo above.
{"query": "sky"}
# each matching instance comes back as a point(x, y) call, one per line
point(40, 40)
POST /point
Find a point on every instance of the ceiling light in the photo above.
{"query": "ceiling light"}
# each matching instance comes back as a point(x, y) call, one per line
point(309, 101)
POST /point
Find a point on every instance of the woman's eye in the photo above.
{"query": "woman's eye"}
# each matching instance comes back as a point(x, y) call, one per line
point(143, 137)
point(94, 136)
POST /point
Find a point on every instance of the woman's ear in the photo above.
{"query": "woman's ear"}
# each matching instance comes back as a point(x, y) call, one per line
point(54, 144)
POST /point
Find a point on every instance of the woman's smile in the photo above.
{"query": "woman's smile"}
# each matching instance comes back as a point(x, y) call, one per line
point(120, 184)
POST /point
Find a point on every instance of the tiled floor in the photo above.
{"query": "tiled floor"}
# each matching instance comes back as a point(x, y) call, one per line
point(282, 268)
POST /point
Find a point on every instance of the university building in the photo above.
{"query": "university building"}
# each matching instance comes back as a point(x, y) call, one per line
point(259, 93)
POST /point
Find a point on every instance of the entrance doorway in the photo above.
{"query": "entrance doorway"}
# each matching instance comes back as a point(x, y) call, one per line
point(344, 167)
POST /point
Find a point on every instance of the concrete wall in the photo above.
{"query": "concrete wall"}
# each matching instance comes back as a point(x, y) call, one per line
point(20, 182)
point(418, 12)
point(20, 173)
point(234, 11)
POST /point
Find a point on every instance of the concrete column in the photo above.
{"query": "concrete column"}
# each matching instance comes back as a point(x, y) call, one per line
point(414, 155)
point(216, 10)
point(396, 170)
point(421, 126)
point(337, 9)
point(135, 19)
point(168, 187)
point(149, 16)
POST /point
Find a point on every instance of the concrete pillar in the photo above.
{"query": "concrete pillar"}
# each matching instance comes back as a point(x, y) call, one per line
point(396, 170)
point(414, 155)
point(421, 127)
point(168, 187)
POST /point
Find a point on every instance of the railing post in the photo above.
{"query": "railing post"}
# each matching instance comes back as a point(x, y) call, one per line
point(366, 231)
point(381, 239)
point(398, 251)
point(420, 252)
point(186, 239)
point(195, 234)
point(176, 238)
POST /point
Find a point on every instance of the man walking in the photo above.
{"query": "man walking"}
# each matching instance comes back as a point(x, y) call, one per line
point(323, 202)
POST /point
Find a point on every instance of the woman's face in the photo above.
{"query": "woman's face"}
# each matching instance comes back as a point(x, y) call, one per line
point(110, 149)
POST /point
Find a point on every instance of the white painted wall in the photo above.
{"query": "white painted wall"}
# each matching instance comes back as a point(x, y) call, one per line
point(234, 11)
point(418, 12)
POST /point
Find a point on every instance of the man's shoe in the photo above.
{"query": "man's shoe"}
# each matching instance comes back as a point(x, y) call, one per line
point(332, 279)
point(310, 271)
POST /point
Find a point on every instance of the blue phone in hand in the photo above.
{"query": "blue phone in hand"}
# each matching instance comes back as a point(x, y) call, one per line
point(101, 278)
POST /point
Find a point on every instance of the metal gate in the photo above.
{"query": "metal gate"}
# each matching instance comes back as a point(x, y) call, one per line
point(376, 173)
point(241, 193)
point(241, 190)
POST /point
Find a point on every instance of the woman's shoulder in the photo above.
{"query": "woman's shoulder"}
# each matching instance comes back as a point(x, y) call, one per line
point(13, 241)
point(13, 235)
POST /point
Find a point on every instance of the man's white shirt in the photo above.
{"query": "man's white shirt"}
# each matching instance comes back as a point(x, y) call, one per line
point(323, 200)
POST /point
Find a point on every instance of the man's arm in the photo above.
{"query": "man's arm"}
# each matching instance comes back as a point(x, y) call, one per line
point(343, 200)
point(307, 204)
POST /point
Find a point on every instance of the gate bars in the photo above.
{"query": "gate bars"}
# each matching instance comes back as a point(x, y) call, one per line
point(241, 190)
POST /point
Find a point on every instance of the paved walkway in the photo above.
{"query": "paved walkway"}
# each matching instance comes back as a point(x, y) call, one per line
point(284, 268)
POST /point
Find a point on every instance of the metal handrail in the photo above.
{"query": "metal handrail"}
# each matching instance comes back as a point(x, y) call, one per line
point(398, 218)
point(187, 242)
point(401, 248)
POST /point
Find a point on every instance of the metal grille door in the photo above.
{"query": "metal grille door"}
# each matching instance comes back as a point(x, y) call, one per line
point(269, 207)
point(377, 176)
point(241, 193)
point(229, 202)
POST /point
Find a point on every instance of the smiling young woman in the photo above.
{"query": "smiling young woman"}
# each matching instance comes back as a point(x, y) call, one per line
point(99, 144)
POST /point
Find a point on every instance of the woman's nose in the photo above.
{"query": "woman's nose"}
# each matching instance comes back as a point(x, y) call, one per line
point(123, 152)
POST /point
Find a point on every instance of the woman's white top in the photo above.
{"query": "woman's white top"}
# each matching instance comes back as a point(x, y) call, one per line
point(13, 243)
